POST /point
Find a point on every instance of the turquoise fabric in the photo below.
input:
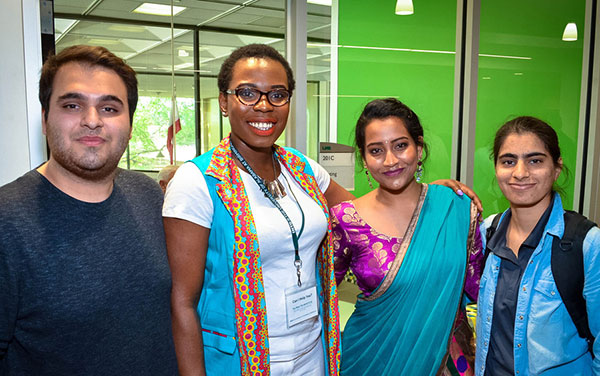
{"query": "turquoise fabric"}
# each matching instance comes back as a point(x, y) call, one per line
point(216, 305)
point(216, 308)
point(406, 330)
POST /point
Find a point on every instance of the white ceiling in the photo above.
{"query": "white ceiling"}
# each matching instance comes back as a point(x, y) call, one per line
point(147, 47)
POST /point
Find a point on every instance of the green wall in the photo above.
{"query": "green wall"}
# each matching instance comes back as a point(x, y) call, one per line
point(422, 80)
point(547, 84)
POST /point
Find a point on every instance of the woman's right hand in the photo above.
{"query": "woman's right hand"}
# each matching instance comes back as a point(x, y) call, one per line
point(187, 244)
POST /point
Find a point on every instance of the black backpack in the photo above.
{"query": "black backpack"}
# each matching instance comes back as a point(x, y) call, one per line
point(567, 268)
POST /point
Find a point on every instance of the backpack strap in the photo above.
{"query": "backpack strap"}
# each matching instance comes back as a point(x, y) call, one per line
point(567, 269)
point(489, 232)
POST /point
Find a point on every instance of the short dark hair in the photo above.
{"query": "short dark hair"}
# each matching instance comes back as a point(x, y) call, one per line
point(256, 51)
point(88, 55)
point(528, 124)
point(385, 108)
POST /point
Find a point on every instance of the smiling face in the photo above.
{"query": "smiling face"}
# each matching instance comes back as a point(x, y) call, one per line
point(390, 153)
point(87, 124)
point(525, 171)
point(256, 127)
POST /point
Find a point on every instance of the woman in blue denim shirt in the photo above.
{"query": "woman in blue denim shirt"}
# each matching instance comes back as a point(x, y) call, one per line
point(523, 327)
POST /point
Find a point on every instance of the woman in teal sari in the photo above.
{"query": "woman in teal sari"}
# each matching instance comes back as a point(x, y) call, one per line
point(413, 248)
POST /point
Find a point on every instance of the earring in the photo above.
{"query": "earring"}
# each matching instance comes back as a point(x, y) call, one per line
point(419, 173)
point(368, 175)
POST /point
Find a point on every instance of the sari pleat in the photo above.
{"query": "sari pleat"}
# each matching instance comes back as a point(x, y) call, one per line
point(405, 330)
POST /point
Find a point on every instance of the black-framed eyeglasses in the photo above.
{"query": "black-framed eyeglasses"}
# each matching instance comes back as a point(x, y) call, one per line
point(250, 96)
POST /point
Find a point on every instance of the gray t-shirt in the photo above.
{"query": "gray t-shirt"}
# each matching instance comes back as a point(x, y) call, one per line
point(84, 287)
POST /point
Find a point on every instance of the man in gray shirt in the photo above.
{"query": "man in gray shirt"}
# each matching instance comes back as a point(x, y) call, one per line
point(84, 278)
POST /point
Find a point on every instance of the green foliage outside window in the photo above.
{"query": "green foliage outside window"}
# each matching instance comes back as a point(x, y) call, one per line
point(148, 144)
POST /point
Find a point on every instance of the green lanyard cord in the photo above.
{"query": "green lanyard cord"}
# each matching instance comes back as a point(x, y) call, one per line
point(269, 195)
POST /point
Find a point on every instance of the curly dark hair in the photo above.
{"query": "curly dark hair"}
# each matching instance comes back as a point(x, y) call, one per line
point(257, 51)
point(92, 56)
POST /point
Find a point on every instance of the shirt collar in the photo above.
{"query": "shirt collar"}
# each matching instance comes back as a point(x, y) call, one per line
point(499, 238)
point(538, 231)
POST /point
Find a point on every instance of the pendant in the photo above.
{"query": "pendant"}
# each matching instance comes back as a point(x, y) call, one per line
point(275, 188)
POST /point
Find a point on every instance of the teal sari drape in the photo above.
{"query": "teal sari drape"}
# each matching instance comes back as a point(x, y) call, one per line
point(404, 326)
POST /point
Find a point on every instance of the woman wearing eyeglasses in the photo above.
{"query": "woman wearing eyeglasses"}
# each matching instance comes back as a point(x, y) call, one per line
point(237, 309)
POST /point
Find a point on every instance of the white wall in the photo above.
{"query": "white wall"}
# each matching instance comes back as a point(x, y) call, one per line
point(22, 145)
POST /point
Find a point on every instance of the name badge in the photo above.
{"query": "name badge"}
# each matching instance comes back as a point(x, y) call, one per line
point(300, 304)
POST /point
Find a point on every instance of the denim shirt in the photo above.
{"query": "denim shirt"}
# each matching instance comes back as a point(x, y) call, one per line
point(546, 341)
point(500, 357)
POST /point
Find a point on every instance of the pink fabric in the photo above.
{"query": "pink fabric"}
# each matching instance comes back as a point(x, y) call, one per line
point(369, 253)
point(358, 246)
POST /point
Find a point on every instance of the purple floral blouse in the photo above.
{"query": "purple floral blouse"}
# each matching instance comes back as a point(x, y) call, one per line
point(369, 253)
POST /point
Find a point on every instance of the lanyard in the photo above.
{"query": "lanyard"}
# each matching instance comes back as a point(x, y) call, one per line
point(263, 188)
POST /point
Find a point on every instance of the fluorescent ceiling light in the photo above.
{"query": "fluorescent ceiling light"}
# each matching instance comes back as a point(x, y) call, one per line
point(320, 2)
point(404, 7)
point(127, 28)
point(183, 53)
point(158, 9)
point(570, 33)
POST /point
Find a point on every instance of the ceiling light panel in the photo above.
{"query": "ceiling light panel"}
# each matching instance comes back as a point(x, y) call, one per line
point(158, 9)
point(127, 28)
